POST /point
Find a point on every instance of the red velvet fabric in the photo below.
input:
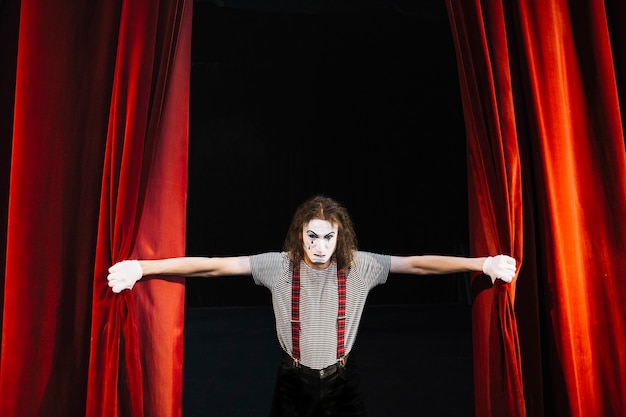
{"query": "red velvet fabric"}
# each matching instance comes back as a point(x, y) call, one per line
point(98, 173)
point(495, 201)
point(137, 337)
point(539, 86)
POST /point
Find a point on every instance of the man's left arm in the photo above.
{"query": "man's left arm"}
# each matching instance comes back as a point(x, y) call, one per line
point(497, 267)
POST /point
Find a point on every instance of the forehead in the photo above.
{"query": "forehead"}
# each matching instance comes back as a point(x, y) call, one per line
point(320, 227)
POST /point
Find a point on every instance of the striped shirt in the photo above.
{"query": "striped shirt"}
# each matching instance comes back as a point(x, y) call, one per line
point(318, 301)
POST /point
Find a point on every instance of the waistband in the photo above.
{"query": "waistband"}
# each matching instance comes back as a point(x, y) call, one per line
point(318, 373)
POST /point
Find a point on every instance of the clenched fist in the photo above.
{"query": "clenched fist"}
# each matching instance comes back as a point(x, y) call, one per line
point(123, 275)
point(500, 267)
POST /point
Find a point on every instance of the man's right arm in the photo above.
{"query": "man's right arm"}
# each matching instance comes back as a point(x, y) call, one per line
point(197, 266)
point(124, 274)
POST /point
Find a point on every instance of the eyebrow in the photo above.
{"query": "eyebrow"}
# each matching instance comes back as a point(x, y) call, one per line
point(326, 235)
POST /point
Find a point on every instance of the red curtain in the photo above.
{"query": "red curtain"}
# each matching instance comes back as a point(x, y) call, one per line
point(543, 122)
point(98, 173)
point(495, 201)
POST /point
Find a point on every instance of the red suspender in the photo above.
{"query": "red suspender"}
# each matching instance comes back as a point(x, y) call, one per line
point(295, 312)
point(341, 313)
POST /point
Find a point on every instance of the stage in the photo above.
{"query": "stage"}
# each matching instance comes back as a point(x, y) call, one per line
point(415, 360)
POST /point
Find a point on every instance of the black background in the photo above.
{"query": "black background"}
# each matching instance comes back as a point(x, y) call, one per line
point(358, 103)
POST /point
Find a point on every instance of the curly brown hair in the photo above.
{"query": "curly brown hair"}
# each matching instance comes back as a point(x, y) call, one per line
point(323, 208)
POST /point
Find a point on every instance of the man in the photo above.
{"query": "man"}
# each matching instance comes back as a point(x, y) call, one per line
point(319, 285)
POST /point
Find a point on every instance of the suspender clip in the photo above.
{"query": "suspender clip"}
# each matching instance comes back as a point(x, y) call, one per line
point(342, 361)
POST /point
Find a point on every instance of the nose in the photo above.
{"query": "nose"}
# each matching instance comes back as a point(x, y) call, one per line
point(319, 244)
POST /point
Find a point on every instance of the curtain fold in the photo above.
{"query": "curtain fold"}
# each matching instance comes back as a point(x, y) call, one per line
point(539, 76)
point(580, 164)
point(495, 200)
point(137, 348)
point(98, 137)
point(57, 147)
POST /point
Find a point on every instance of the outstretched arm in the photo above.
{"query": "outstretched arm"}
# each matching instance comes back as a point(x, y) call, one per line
point(497, 267)
point(124, 274)
point(197, 266)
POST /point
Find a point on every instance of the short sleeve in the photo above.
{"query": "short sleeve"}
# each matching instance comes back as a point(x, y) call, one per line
point(373, 268)
point(268, 269)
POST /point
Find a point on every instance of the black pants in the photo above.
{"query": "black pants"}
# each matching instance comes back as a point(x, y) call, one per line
point(298, 394)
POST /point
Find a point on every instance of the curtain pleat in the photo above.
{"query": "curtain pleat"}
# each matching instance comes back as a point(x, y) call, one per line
point(495, 199)
point(57, 147)
point(98, 137)
point(136, 366)
point(539, 77)
point(578, 147)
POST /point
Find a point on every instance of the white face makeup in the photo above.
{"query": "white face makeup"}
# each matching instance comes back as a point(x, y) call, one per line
point(320, 240)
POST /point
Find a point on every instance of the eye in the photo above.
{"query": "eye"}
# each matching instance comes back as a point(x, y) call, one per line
point(329, 237)
point(311, 235)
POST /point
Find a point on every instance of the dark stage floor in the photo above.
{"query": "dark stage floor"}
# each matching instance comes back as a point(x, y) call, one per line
point(415, 360)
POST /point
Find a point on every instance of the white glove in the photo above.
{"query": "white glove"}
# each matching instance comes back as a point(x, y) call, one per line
point(500, 267)
point(123, 275)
